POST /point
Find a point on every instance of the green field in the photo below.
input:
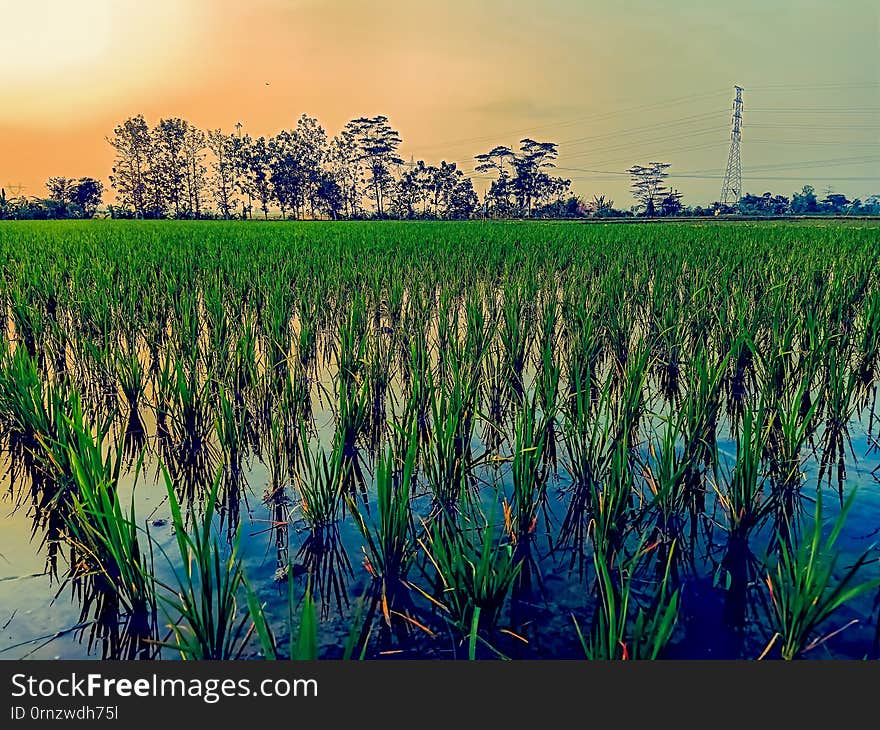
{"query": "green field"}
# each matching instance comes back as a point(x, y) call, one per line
point(453, 440)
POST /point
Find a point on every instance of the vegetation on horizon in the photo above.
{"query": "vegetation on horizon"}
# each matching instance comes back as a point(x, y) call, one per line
point(175, 170)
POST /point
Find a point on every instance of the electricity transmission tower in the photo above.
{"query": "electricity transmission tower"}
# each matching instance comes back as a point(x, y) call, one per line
point(731, 190)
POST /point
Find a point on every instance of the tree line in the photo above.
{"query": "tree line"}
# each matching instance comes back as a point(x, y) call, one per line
point(68, 198)
point(175, 170)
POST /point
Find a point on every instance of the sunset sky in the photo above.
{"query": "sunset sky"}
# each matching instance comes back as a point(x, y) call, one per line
point(615, 83)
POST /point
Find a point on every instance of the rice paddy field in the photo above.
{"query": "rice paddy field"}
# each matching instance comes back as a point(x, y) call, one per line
point(440, 440)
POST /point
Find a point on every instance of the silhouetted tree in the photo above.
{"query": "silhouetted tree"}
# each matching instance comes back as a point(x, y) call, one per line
point(600, 206)
point(284, 175)
point(499, 193)
point(223, 168)
point(194, 144)
point(295, 162)
point(530, 182)
point(240, 152)
point(805, 201)
point(259, 172)
point(408, 198)
point(836, 204)
point(377, 143)
point(648, 187)
point(61, 189)
point(69, 198)
point(671, 203)
point(871, 206)
point(87, 195)
point(454, 196)
point(344, 161)
point(132, 142)
point(169, 138)
point(310, 141)
point(328, 196)
point(766, 204)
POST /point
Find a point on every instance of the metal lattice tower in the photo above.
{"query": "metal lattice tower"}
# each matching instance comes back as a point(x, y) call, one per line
point(731, 190)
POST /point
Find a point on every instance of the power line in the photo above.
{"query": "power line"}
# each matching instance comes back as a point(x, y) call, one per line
point(811, 142)
point(643, 143)
point(673, 176)
point(836, 127)
point(597, 116)
point(647, 127)
point(814, 110)
point(828, 86)
point(811, 163)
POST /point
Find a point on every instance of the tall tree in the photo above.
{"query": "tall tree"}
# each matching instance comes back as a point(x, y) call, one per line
point(836, 203)
point(156, 192)
point(600, 206)
point(242, 151)
point(670, 203)
point(343, 159)
point(494, 159)
point(132, 142)
point(531, 183)
point(284, 171)
point(378, 143)
point(329, 197)
point(408, 193)
point(459, 199)
point(223, 168)
point(169, 138)
point(648, 186)
point(260, 172)
point(310, 143)
point(499, 193)
point(452, 194)
point(194, 143)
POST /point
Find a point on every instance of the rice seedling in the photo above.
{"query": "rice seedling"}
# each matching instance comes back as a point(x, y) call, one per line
point(787, 435)
point(623, 627)
point(838, 403)
point(202, 608)
point(390, 547)
point(322, 485)
point(108, 570)
point(804, 590)
point(528, 496)
point(665, 472)
point(514, 338)
point(321, 490)
point(588, 443)
point(448, 454)
point(474, 573)
point(746, 499)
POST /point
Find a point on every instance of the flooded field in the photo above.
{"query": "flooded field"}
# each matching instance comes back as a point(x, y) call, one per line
point(453, 441)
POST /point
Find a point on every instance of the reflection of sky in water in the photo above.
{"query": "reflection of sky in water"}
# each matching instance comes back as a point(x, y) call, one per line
point(31, 610)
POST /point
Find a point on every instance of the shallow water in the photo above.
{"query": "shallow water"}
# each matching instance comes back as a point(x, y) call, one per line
point(40, 617)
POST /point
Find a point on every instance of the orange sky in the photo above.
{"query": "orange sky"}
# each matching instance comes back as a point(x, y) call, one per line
point(616, 82)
